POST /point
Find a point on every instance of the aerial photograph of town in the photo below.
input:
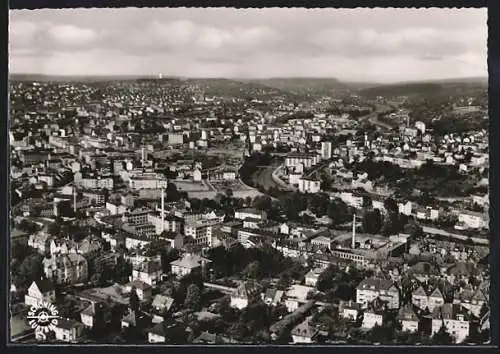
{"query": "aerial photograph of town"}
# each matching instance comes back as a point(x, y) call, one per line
point(221, 176)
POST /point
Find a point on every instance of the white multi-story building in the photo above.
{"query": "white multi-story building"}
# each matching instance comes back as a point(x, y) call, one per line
point(308, 160)
point(249, 213)
point(377, 288)
point(309, 185)
point(147, 181)
point(200, 231)
point(99, 182)
point(326, 150)
point(454, 320)
point(473, 220)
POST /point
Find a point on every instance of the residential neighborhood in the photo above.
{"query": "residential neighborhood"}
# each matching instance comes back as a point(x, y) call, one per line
point(160, 209)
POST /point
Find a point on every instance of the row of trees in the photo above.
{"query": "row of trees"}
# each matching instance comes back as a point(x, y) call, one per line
point(254, 263)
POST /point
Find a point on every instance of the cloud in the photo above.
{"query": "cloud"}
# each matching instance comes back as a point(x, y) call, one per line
point(22, 33)
point(72, 35)
point(378, 44)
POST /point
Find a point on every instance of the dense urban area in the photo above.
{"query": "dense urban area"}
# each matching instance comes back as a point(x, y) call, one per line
point(279, 211)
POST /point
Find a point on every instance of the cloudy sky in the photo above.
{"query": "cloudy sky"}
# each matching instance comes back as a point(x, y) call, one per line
point(383, 45)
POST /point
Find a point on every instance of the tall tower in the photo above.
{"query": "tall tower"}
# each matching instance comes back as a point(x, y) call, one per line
point(162, 210)
point(353, 240)
point(74, 200)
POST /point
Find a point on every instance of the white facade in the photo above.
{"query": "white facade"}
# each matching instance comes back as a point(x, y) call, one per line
point(133, 243)
point(309, 186)
point(155, 338)
point(472, 221)
point(326, 150)
point(35, 296)
point(148, 278)
point(371, 319)
point(409, 326)
point(458, 329)
point(349, 313)
point(248, 214)
point(239, 302)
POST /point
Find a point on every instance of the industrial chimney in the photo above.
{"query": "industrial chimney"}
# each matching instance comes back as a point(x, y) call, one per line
point(353, 244)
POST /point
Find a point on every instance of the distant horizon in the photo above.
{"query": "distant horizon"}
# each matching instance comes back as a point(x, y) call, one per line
point(352, 45)
point(156, 77)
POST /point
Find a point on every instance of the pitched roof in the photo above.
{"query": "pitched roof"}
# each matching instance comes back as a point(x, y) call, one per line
point(68, 324)
point(304, 329)
point(437, 293)
point(89, 310)
point(247, 290)
point(449, 311)
point(139, 284)
point(130, 317)
point(206, 337)
point(406, 313)
point(162, 301)
point(159, 329)
point(189, 261)
point(419, 291)
point(375, 283)
point(44, 285)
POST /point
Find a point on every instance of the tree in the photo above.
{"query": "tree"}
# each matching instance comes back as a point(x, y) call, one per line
point(262, 202)
point(134, 300)
point(31, 269)
point(372, 221)
point(252, 270)
point(318, 204)
point(390, 205)
point(442, 337)
point(27, 226)
point(367, 202)
point(327, 278)
point(193, 297)
point(54, 229)
point(338, 212)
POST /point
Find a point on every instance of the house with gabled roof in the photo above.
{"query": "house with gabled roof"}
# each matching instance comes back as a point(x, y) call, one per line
point(129, 319)
point(68, 268)
point(372, 317)
point(454, 319)
point(272, 296)
point(142, 289)
point(68, 330)
point(158, 333)
point(471, 299)
point(148, 271)
point(349, 310)
point(187, 264)
point(245, 294)
point(421, 300)
point(304, 332)
point(162, 303)
point(377, 288)
point(92, 314)
point(40, 291)
point(408, 319)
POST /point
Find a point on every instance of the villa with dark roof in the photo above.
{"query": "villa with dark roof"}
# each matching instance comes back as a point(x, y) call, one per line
point(377, 288)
